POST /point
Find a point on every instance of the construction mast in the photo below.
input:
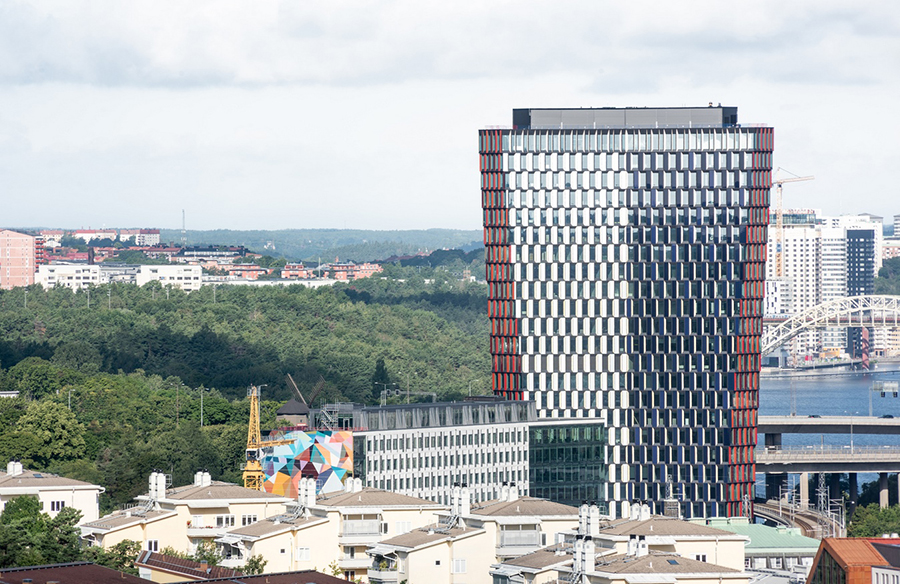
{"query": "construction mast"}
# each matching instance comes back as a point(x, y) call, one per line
point(253, 473)
point(779, 219)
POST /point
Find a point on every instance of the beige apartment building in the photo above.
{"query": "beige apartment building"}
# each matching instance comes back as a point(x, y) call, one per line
point(55, 493)
point(315, 533)
point(604, 551)
point(183, 517)
point(20, 255)
point(466, 541)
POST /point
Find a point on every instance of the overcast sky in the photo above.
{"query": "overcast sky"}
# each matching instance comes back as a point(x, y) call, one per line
point(271, 115)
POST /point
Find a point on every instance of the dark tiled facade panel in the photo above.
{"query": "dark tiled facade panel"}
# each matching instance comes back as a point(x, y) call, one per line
point(625, 270)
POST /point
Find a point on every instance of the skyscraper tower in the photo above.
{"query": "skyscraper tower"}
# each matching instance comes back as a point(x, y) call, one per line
point(625, 253)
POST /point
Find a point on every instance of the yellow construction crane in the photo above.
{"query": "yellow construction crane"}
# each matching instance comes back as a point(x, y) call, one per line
point(253, 473)
point(779, 219)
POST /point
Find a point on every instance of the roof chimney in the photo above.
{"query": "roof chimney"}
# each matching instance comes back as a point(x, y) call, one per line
point(579, 551)
point(454, 500)
point(631, 550)
point(513, 492)
point(644, 512)
point(206, 479)
point(310, 492)
point(588, 555)
point(583, 518)
point(152, 488)
point(14, 468)
point(198, 479)
point(642, 548)
point(593, 520)
point(357, 485)
point(465, 502)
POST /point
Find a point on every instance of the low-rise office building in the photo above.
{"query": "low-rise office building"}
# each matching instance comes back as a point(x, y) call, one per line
point(55, 493)
point(422, 449)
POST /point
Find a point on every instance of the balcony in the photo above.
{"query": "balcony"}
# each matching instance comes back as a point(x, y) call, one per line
point(196, 531)
point(385, 575)
point(360, 531)
point(518, 543)
point(360, 562)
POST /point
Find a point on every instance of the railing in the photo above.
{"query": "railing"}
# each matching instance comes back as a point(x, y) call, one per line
point(826, 453)
point(359, 527)
point(520, 538)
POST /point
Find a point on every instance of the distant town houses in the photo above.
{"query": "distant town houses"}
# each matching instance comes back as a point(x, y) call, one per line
point(57, 257)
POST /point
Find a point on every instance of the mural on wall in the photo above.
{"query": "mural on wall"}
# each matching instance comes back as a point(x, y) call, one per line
point(326, 456)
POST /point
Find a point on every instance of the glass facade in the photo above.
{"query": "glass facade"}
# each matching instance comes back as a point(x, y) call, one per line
point(567, 463)
point(625, 267)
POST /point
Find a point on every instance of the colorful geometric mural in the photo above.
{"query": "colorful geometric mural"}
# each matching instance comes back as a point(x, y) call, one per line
point(326, 456)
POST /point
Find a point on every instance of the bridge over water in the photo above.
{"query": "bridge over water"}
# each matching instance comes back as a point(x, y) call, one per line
point(776, 461)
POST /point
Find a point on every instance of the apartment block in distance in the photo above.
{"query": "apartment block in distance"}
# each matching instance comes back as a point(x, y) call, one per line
point(20, 255)
point(625, 257)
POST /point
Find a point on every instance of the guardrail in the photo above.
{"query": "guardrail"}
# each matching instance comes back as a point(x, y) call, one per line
point(826, 453)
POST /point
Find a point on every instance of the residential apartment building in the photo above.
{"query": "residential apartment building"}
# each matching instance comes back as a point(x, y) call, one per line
point(823, 258)
point(600, 546)
point(188, 278)
point(142, 237)
point(183, 517)
point(55, 493)
point(297, 270)
point(20, 256)
point(74, 276)
point(625, 254)
point(337, 528)
point(466, 540)
point(89, 235)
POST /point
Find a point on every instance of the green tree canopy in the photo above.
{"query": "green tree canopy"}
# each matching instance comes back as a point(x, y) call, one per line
point(59, 434)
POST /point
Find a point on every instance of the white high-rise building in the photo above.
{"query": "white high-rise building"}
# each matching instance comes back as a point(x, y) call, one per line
point(817, 264)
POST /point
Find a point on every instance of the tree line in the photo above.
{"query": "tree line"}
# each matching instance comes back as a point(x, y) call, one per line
point(110, 392)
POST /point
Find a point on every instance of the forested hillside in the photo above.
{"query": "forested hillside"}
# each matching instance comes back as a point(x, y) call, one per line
point(133, 362)
point(357, 245)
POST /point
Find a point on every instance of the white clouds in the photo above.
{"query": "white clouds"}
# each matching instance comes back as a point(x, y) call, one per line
point(197, 43)
point(302, 114)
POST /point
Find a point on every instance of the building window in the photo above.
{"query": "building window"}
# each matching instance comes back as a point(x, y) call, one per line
point(248, 519)
point(152, 545)
point(303, 554)
point(224, 521)
point(459, 566)
point(57, 505)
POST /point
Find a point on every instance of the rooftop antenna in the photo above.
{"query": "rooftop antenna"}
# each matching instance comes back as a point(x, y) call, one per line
point(183, 231)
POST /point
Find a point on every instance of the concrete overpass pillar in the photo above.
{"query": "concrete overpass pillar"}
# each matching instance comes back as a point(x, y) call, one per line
point(804, 490)
point(854, 492)
point(883, 490)
point(834, 486)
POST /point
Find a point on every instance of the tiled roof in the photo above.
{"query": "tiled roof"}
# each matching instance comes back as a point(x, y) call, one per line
point(524, 506)
point(267, 526)
point(32, 479)
point(182, 567)
point(123, 518)
point(293, 407)
point(73, 573)
point(850, 551)
point(670, 526)
point(426, 535)
point(657, 563)
point(301, 577)
point(217, 490)
point(369, 497)
point(542, 558)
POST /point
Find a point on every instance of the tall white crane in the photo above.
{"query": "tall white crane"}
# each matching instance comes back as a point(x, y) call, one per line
point(779, 218)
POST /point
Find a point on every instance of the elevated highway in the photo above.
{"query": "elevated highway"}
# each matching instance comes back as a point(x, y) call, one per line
point(777, 425)
point(828, 459)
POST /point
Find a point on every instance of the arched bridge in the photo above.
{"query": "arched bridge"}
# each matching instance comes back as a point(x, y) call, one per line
point(855, 311)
